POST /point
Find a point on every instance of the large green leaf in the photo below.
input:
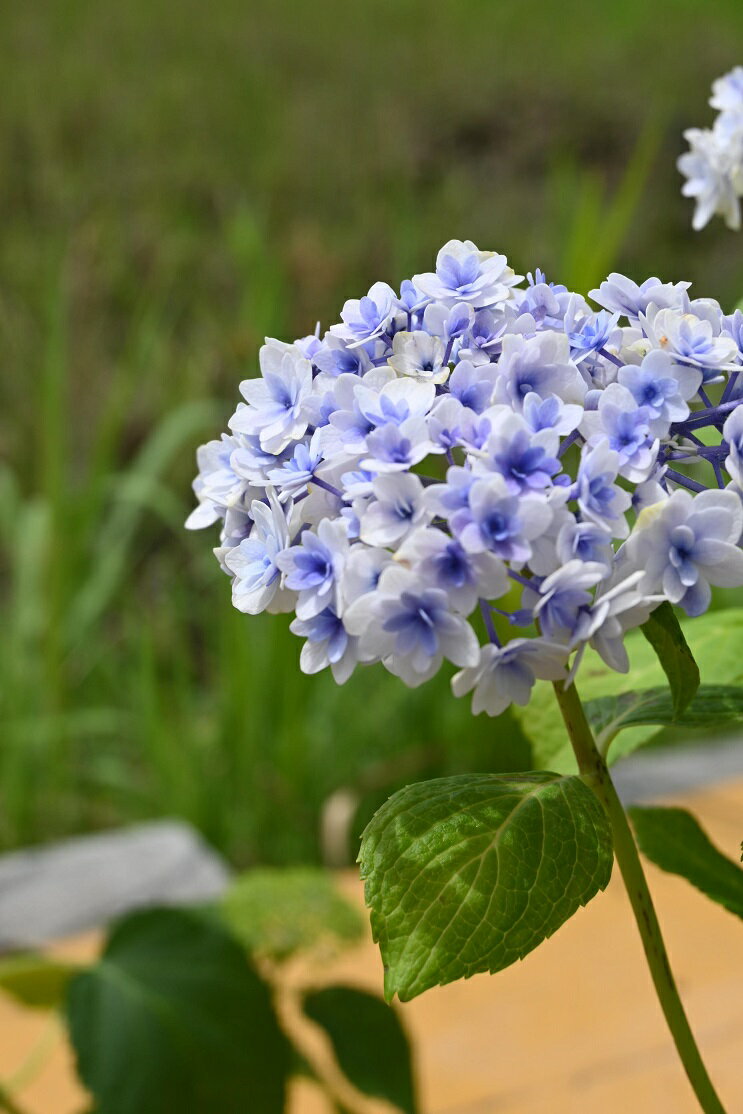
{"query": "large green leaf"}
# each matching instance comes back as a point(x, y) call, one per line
point(673, 839)
point(712, 706)
point(369, 1042)
point(467, 874)
point(664, 634)
point(35, 980)
point(174, 1018)
point(716, 640)
point(277, 912)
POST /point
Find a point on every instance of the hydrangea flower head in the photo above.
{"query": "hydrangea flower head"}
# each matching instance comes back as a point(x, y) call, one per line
point(485, 473)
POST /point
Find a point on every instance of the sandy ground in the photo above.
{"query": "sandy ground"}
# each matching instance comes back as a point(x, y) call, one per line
point(573, 1029)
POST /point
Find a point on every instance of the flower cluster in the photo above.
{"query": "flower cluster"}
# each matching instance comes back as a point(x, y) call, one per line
point(485, 471)
point(714, 163)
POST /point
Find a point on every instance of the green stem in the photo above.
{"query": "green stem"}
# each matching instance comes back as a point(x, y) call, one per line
point(596, 775)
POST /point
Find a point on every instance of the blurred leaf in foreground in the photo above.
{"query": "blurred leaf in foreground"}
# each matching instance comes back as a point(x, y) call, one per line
point(368, 1040)
point(277, 912)
point(174, 1018)
point(674, 840)
point(35, 980)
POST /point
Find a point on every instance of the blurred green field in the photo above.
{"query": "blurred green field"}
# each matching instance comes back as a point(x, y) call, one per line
point(176, 182)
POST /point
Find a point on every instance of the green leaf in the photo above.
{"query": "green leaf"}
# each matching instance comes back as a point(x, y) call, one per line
point(34, 980)
point(468, 874)
point(277, 912)
point(673, 839)
point(664, 634)
point(369, 1042)
point(712, 706)
point(173, 1017)
point(716, 640)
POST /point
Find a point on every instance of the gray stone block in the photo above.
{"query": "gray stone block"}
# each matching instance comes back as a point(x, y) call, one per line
point(649, 775)
point(83, 883)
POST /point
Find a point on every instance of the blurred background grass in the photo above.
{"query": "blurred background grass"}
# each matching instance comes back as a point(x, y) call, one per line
point(176, 182)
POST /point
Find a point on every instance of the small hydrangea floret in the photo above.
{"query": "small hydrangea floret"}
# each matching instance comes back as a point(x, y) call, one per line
point(713, 165)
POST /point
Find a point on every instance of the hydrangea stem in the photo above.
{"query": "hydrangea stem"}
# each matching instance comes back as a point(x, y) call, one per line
point(594, 772)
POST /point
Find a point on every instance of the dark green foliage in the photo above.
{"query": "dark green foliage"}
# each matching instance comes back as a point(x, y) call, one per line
point(369, 1042)
point(174, 1018)
point(673, 839)
point(712, 707)
point(664, 634)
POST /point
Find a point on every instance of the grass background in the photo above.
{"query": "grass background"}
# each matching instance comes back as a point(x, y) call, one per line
point(176, 182)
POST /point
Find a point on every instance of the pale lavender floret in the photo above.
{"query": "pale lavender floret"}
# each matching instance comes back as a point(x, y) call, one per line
point(328, 644)
point(563, 595)
point(362, 571)
point(411, 299)
point(732, 431)
point(588, 332)
point(410, 628)
point(473, 384)
point(335, 357)
point(474, 431)
point(551, 413)
point(347, 422)
point(537, 365)
point(237, 526)
point(448, 322)
point(626, 427)
point(396, 448)
point(217, 486)
point(277, 402)
point(367, 317)
point(544, 301)
point(252, 462)
point(691, 337)
point(313, 568)
point(254, 563)
point(616, 609)
point(687, 544)
point(585, 541)
point(727, 91)
point(294, 475)
point(521, 457)
point(442, 562)
point(651, 491)
point(447, 498)
point(419, 355)
point(396, 401)
point(506, 675)
point(663, 387)
point(620, 294)
point(465, 274)
point(712, 167)
point(398, 506)
point(482, 340)
point(499, 522)
point(732, 326)
point(599, 498)
point(446, 422)
point(357, 482)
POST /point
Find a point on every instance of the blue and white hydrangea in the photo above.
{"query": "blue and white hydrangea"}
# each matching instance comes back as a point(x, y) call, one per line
point(713, 165)
point(487, 472)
